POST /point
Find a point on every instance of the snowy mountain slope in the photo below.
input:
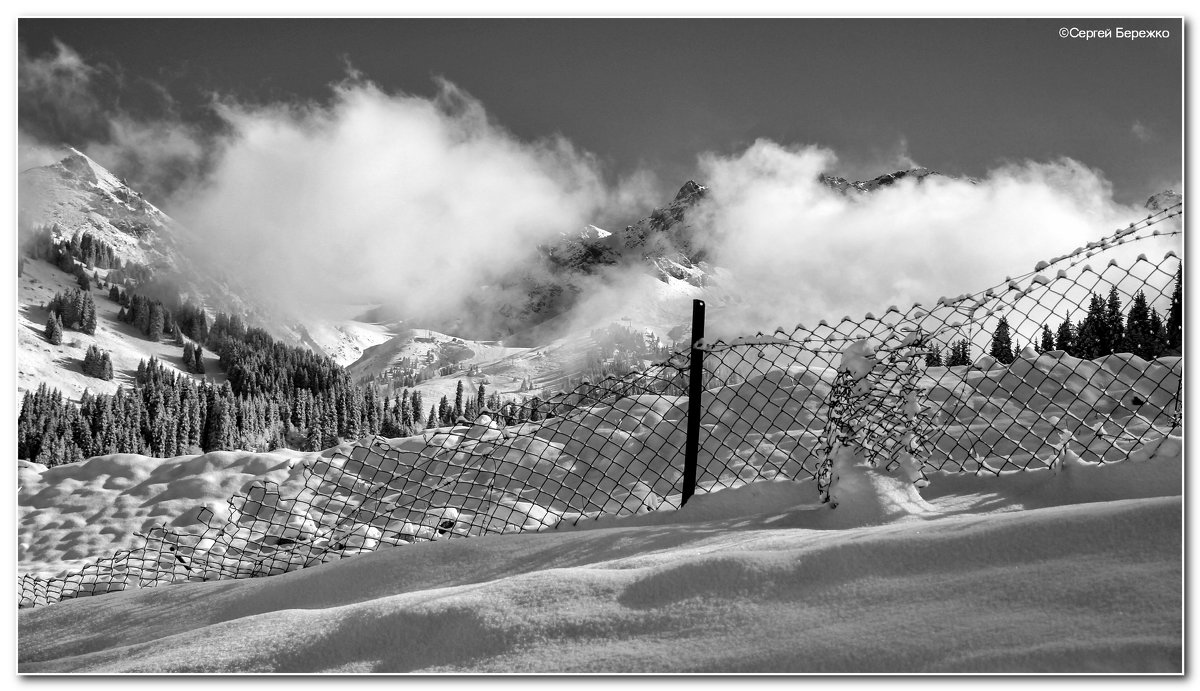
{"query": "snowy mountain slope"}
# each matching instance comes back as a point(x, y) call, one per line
point(59, 367)
point(76, 194)
point(345, 341)
point(498, 366)
point(846, 186)
point(1163, 200)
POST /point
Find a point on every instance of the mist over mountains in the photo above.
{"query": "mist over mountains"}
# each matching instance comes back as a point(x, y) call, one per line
point(704, 242)
point(428, 210)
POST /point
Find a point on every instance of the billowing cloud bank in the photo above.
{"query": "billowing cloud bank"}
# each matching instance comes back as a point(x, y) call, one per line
point(422, 202)
point(800, 251)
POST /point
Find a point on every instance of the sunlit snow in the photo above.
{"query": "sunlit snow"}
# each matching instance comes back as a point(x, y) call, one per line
point(1070, 566)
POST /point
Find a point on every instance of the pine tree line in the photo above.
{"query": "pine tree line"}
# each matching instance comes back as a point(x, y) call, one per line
point(275, 395)
point(959, 354)
point(83, 246)
point(166, 414)
point(150, 317)
point(75, 310)
point(98, 364)
point(1104, 330)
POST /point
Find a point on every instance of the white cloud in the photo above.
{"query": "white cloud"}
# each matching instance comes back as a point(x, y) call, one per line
point(61, 79)
point(1141, 131)
point(374, 196)
point(380, 196)
point(801, 252)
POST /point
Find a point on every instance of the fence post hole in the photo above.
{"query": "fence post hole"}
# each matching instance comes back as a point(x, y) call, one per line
point(695, 388)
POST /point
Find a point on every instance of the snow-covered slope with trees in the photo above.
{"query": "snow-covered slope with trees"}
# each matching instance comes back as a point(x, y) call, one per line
point(79, 195)
point(955, 576)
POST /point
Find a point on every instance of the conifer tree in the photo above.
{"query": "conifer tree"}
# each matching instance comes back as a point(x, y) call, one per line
point(1092, 336)
point(417, 406)
point(89, 316)
point(1139, 339)
point(54, 329)
point(237, 329)
point(406, 412)
point(1158, 334)
point(154, 331)
point(534, 414)
point(1002, 347)
point(89, 361)
point(1064, 339)
point(1047, 343)
point(957, 355)
point(1174, 325)
point(139, 316)
point(458, 400)
point(1114, 322)
point(934, 357)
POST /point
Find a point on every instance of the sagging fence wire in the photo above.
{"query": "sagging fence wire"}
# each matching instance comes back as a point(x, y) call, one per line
point(922, 391)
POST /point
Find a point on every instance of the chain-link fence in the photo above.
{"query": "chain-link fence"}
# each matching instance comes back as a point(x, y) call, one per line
point(976, 383)
point(1068, 359)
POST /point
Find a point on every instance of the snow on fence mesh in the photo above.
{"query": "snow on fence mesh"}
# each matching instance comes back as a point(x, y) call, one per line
point(774, 406)
point(869, 383)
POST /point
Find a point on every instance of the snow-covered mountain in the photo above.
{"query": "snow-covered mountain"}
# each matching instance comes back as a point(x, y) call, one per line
point(158, 257)
point(1163, 200)
point(77, 196)
point(660, 241)
point(843, 185)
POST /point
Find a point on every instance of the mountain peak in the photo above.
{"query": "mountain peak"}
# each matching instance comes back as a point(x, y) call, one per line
point(689, 192)
point(1163, 200)
point(843, 185)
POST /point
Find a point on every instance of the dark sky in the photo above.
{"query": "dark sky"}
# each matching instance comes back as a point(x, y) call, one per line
point(962, 95)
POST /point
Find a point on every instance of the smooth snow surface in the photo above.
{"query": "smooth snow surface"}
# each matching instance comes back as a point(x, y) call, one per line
point(1078, 570)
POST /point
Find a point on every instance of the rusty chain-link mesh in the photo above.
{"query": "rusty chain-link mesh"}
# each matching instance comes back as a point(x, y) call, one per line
point(775, 406)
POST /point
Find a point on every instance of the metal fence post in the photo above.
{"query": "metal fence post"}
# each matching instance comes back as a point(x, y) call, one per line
point(695, 389)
